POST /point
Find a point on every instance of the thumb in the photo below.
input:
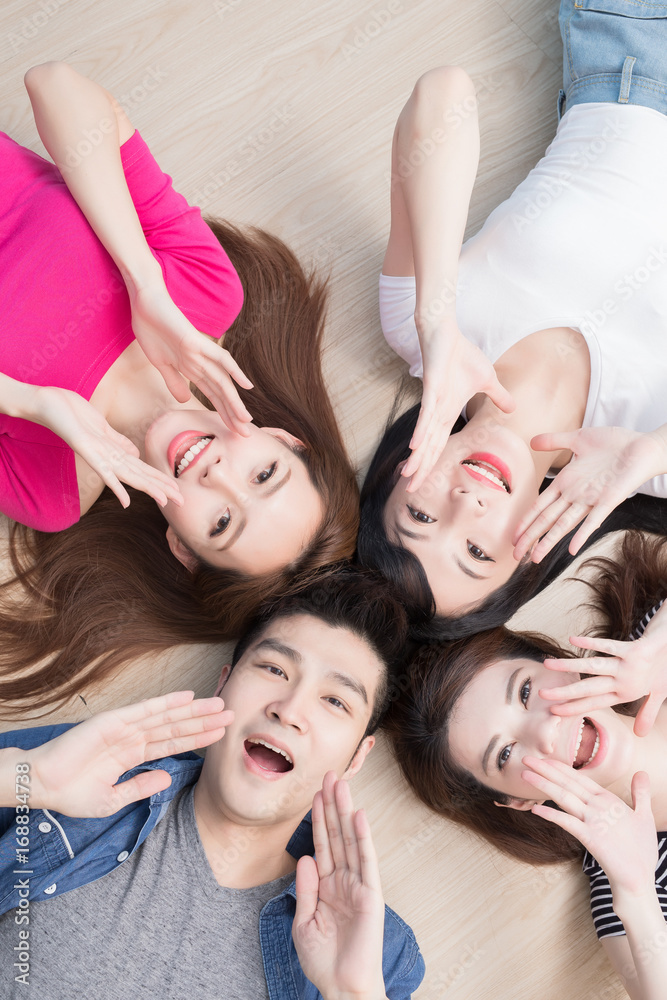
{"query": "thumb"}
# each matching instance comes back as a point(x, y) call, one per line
point(499, 395)
point(553, 442)
point(178, 386)
point(641, 791)
point(647, 715)
point(307, 887)
point(142, 786)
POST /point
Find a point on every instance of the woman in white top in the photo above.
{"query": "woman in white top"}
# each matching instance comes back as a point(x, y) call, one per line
point(551, 319)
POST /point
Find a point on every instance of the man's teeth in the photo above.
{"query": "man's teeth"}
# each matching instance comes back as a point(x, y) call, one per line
point(485, 471)
point(193, 450)
point(271, 747)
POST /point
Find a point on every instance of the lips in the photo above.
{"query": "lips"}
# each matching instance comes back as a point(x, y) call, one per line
point(489, 470)
point(181, 445)
point(267, 757)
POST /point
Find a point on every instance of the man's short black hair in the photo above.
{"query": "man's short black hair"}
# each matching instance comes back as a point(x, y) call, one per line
point(350, 598)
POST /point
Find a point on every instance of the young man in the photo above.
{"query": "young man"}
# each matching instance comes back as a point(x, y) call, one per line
point(208, 905)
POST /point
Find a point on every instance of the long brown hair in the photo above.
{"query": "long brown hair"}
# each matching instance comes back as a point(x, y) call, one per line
point(108, 590)
point(418, 722)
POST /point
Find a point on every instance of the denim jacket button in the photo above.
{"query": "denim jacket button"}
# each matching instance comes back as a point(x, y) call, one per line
point(51, 888)
point(123, 855)
point(44, 827)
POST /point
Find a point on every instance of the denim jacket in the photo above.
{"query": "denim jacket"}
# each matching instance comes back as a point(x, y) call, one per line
point(64, 853)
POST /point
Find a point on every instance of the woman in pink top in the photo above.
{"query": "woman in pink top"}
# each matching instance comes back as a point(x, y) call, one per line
point(109, 281)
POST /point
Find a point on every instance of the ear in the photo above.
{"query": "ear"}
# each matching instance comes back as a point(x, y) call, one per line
point(222, 680)
point(357, 761)
point(522, 805)
point(181, 551)
point(285, 437)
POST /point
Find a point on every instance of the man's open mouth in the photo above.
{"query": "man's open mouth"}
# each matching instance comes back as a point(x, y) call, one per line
point(268, 756)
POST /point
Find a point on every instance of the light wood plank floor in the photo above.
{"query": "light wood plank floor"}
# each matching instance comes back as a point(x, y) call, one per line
point(280, 113)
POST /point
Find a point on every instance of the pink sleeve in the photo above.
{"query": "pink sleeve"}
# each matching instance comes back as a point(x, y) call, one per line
point(198, 273)
point(38, 483)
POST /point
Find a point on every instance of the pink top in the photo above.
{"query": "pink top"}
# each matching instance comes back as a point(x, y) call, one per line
point(66, 313)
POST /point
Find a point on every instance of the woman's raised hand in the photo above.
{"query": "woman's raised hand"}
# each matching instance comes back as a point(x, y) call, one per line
point(77, 773)
point(608, 464)
point(622, 839)
point(339, 921)
point(111, 455)
point(182, 354)
point(629, 671)
point(454, 371)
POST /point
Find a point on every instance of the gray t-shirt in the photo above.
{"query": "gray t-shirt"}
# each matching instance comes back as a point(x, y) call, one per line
point(158, 926)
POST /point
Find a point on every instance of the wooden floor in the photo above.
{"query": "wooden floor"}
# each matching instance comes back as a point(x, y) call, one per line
point(280, 113)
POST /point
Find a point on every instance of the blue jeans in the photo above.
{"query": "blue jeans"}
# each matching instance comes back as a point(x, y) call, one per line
point(614, 50)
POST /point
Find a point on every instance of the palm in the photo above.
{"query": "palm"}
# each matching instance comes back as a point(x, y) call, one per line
point(98, 751)
point(454, 371)
point(182, 354)
point(339, 920)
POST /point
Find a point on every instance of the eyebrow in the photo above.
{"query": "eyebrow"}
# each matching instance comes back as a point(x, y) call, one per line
point(295, 656)
point(509, 694)
point(231, 539)
point(280, 647)
point(349, 682)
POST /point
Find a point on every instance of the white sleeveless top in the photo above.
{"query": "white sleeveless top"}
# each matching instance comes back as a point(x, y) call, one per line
point(581, 243)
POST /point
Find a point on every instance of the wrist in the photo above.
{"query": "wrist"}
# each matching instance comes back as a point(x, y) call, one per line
point(19, 784)
point(142, 274)
point(633, 902)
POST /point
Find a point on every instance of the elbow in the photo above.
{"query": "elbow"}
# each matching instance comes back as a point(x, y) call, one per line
point(46, 76)
point(445, 84)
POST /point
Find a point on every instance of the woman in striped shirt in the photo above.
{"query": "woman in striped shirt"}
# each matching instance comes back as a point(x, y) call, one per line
point(494, 727)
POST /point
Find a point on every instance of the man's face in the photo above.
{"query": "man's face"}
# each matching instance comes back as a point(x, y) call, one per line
point(302, 695)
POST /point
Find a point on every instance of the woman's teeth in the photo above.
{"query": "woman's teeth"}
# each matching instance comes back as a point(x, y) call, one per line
point(596, 745)
point(193, 450)
point(488, 473)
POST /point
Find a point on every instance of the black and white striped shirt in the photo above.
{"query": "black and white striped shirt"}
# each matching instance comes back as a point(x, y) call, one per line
point(607, 924)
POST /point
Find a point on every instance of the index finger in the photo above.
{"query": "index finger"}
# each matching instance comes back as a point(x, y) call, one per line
point(370, 870)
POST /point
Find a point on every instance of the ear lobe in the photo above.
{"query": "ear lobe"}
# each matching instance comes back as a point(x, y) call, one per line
point(521, 805)
point(222, 680)
point(181, 551)
point(289, 439)
point(355, 764)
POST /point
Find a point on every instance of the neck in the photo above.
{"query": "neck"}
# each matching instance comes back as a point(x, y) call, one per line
point(647, 754)
point(548, 374)
point(241, 855)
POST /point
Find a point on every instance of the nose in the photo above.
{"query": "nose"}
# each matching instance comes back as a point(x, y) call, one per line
point(465, 499)
point(289, 710)
point(546, 732)
point(216, 474)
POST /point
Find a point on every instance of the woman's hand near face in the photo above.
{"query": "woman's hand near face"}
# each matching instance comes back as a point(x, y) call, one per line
point(111, 455)
point(629, 671)
point(181, 354)
point(454, 371)
point(608, 464)
point(622, 839)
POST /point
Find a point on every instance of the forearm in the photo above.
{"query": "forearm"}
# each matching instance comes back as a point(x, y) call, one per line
point(660, 437)
point(438, 153)
point(17, 399)
point(77, 123)
point(647, 937)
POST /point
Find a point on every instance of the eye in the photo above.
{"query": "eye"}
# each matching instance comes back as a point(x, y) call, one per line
point(337, 703)
point(222, 524)
point(524, 692)
point(271, 668)
point(504, 756)
point(419, 515)
point(266, 474)
point(478, 553)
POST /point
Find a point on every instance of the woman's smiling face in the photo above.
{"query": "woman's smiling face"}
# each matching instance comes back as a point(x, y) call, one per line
point(248, 502)
point(500, 719)
point(460, 524)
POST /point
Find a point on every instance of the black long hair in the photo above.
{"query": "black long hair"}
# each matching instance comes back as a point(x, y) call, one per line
point(398, 564)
